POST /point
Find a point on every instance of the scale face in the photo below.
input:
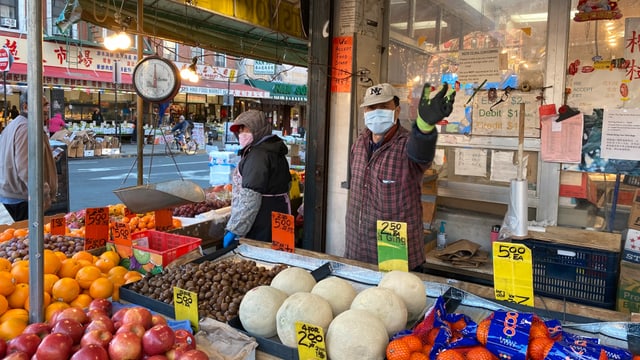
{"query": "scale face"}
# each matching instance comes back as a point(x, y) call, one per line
point(156, 79)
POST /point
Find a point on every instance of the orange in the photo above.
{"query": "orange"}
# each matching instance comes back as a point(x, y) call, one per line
point(20, 271)
point(480, 353)
point(20, 314)
point(19, 296)
point(111, 255)
point(82, 301)
point(86, 275)
point(4, 304)
point(20, 233)
point(65, 289)
point(11, 328)
point(450, 355)
point(69, 268)
point(413, 341)
point(84, 262)
point(482, 331)
point(101, 288)
point(54, 307)
point(6, 235)
point(432, 334)
point(118, 271)
point(49, 280)
point(539, 348)
point(458, 325)
point(84, 255)
point(105, 264)
point(52, 262)
point(62, 256)
point(538, 329)
point(7, 283)
point(398, 349)
point(426, 349)
point(419, 356)
point(46, 300)
point(5, 264)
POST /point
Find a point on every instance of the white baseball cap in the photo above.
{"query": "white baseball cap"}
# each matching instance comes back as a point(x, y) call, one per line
point(377, 94)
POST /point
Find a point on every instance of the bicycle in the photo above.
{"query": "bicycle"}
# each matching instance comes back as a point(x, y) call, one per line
point(187, 145)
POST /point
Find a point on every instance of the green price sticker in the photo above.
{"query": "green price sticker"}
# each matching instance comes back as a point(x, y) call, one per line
point(513, 273)
point(392, 246)
point(310, 342)
point(185, 304)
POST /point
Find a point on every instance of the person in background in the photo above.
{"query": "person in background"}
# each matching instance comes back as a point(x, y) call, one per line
point(13, 113)
point(180, 129)
point(387, 164)
point(14, 167)
point(97, 117)
point(56, 123)
point(260, 182)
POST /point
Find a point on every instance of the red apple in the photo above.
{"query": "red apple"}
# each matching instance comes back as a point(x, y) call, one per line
point(186, 337)
point(119, 315)
point(155, 357)
point(177, 350)
point(91, 352)
point(125, 346)
point(135, 328)
point(19, 355)
point(157, 319)
point(73, 313)
point(3, 348)
point(55, 346)
point(93, 313)
point(70, 327)
point(100, 323)
point(41, 329)
point(194, 355)
point(98, 337)
point(102, 304)
point(158, 340)
point(27, 343)
point(138, 315)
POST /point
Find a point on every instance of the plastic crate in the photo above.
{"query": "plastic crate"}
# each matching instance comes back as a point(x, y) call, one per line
point(577, 274)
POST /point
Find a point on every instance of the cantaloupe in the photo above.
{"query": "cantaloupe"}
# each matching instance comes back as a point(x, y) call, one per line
point(293, 279)
point(338, 292)
point(410, 289)
point(305, 307)
point(386, 305)
point(258, 310)
point(356, 334)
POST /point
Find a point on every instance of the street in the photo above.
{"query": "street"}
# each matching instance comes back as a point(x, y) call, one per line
point(92, 181)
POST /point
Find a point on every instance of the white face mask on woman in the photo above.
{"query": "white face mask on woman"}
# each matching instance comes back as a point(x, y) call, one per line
point(245, 139)
point(379, 121)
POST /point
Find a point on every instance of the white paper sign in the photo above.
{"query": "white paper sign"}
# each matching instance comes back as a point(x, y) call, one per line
point(621, 134)
point(502, 166)
point(478, 65)
point(471, 162)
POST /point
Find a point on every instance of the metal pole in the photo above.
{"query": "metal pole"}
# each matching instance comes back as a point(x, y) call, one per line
point(139, 103)
point(116, 72)
point(4, 82)
point(35, 133)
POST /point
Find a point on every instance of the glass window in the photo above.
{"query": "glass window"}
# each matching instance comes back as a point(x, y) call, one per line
point(9, 14)
point(220, 60)
point(170, 50)
point(197, 52)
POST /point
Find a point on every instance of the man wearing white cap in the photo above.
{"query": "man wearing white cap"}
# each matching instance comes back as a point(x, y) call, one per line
point(387, 165)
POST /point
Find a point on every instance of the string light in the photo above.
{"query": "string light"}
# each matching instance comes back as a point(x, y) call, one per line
point(119, 41)
point(190, 72)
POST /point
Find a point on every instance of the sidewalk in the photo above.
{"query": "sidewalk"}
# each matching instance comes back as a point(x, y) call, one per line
point(131, 150)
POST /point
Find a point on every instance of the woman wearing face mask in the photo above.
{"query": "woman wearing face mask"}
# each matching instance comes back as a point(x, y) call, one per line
point(260, 182)
point(387, 164)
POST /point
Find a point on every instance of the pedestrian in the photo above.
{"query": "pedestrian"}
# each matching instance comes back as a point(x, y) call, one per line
point(97, 117)
point(13, 113)
point(261, 180)
point(14, 156)
point(387, 163)
point(56, 123)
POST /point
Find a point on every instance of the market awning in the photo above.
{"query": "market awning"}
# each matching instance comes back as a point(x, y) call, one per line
point(63, 76)
point(281, 91)
point(270, 30)
point(223, 88)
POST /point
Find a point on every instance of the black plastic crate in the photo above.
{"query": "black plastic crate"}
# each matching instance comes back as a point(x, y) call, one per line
point(577, 274)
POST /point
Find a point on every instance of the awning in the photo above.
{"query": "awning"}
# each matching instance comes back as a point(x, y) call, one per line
point(281, 91)
point(222, 88)
point(62, 76)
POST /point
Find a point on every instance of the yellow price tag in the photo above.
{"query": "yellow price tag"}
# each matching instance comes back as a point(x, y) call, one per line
point(513, 273)
point(185, 304)
point(392, 245)
point(310, 341)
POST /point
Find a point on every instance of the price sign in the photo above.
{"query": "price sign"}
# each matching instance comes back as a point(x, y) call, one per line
point(121, 234)
point(128, 213)
point(96, 228)
point(282, 232)
point(164, 219)
point(513, 273)
point(392, 245)
point(185, 304)
point(310, 341)
point(58, 226)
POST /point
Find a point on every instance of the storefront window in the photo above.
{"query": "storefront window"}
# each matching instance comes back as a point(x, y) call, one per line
point(9, 14)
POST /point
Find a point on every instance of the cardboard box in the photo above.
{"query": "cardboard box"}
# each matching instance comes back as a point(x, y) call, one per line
point(631, 251)
point(574, 184)
point(628, 299)
point(600, 193)
point(634, 215)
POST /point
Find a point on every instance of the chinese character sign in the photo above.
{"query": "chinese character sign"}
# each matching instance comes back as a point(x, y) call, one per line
point(631, 85)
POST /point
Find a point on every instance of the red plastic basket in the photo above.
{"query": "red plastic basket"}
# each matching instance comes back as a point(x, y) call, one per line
point(170, 246)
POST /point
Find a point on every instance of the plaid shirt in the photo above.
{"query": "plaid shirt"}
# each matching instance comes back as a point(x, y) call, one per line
point(385, 185)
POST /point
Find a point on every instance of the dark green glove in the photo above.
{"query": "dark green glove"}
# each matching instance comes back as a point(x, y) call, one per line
point(430, 111)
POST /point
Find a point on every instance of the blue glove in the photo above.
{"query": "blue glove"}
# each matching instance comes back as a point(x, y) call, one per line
point(229, 237)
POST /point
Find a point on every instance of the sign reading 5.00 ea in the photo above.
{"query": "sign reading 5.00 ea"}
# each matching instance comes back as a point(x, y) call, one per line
point(513, 273)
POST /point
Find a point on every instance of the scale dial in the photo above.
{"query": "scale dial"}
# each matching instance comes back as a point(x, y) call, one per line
point(156, 79)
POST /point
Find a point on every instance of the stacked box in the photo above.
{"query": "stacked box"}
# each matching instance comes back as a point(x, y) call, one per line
point(221, 165)
point(628, 299)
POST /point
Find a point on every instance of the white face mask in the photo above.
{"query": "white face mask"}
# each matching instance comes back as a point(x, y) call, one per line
point(245, 139)
point(379, 121)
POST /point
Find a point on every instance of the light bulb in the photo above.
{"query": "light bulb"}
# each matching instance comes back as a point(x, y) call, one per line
point(110, 43)
point(124, 41)
point(193, 77)
point(184, 73)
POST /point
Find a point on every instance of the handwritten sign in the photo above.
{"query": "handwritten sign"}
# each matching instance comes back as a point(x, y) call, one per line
point(392, 245)
point(58, 226)
point(128, 213)
point(164, 219)
point(513, 273)
point(185, 304)
point(96, 228)
point(121, 234)
point(492, 119)
point(310, 341)
point(282, 232)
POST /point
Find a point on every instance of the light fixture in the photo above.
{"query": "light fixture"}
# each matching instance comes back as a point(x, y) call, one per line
point(119, 41)
point(190, 72)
